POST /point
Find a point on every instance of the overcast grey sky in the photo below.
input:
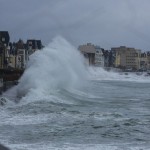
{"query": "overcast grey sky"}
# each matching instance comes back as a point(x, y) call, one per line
point(106, 23)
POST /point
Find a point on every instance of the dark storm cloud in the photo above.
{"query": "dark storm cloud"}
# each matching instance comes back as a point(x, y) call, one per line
point(106, 23)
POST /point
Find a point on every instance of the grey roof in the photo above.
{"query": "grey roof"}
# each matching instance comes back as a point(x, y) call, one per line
point(87, 48)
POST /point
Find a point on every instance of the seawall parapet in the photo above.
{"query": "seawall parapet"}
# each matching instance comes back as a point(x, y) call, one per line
point(9, 78)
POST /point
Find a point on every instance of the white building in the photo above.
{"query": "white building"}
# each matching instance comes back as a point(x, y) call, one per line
point(99, 57)
point(21, 59)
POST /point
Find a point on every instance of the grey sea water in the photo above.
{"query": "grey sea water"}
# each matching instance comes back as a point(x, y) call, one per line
point(107, 111)
point(104, 115)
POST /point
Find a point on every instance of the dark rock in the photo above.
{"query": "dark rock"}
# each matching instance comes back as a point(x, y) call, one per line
point(3, 147)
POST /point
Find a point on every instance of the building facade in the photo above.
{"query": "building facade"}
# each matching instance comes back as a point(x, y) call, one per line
point(148, 60)
point(99, 57)
point(33, 45)
point(93, 54)
point(16, 54)
point(4, 43)
point(88, 50)
point(143, 62)
point(126, 58)
point(22, 55)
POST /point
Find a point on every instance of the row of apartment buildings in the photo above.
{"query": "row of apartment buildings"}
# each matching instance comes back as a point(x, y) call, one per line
point(16, 54)
point(119, 57)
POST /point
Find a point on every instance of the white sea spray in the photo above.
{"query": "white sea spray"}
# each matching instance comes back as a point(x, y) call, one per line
point(57, 66)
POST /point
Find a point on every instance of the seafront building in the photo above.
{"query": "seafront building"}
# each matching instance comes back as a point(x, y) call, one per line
point(21, 54)
point(126, 58)
point(16, 54)
point(107, 58)
point(88, 50)
point(148, 60)
point(93, 54)
point(144, 61)
point(4, 42)
point(33, 45)
point(99, 57)
point(13, 58)
point(130, 59)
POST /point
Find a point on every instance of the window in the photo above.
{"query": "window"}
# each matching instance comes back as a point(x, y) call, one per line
point(30, 43)
point(3, 39)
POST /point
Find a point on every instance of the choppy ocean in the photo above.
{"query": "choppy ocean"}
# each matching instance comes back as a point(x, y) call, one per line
point(60, 104)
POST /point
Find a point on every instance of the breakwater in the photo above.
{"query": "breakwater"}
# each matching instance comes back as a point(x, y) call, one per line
point(9, 78)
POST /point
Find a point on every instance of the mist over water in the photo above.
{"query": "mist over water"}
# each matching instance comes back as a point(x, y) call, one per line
point(98, 73)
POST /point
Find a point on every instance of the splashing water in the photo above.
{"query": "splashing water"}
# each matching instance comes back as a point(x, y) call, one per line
point(97, 73)
point(58, 66)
